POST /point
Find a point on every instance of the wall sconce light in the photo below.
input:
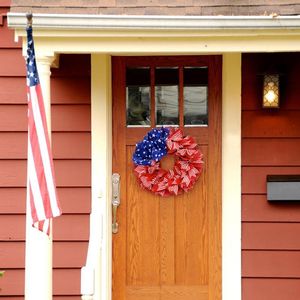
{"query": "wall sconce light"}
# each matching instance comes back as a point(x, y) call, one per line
point(271, 91)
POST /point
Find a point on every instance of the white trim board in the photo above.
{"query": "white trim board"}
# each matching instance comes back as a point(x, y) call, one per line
point(94, 22)
point(231, 176)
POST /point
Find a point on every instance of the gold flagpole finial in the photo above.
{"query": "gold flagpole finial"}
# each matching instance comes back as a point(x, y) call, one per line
point(29, 19)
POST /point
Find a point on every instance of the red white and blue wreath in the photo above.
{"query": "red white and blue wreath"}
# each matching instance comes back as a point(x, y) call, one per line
point(159, 143)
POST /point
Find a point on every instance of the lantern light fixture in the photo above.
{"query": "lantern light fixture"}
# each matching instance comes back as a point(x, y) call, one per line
point(271, 91)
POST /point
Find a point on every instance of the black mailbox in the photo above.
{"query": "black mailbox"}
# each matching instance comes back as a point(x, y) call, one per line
point(283, 187)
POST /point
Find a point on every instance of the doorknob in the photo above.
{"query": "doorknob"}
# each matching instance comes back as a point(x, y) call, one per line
point(115, 201)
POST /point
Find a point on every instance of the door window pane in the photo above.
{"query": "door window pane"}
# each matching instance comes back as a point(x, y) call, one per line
point(195, 93)
point(138, 96)
point(166, 96)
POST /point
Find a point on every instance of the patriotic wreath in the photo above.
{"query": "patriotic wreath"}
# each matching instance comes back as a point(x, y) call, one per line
point(157, 144)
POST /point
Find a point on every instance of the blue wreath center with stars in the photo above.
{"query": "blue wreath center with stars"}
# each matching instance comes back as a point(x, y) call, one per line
point(152, 148)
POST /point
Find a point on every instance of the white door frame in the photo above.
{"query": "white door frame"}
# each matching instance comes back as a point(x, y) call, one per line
point(231, 173)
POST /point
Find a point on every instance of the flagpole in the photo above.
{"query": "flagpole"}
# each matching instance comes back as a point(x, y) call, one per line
point(38, 258)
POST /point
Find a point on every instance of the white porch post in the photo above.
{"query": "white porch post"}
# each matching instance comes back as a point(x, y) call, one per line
point(231, 177)
point(96, 275)
point(38, 259)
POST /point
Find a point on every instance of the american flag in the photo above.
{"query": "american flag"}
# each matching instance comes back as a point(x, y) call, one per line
point(43, 199)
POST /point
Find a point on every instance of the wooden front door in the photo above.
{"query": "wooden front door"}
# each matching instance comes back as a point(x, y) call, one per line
point(167, 248)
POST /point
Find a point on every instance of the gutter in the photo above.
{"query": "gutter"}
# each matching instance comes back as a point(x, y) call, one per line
point(133, 22)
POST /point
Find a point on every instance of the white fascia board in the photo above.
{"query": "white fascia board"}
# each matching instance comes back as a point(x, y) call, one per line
point(126, 22)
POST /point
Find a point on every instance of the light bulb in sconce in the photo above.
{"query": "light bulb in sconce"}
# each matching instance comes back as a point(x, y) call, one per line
point(271, 91)
point(270, 96)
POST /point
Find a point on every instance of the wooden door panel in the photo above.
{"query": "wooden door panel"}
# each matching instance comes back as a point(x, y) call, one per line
point(168, 248)
point(192, 233)
point(167, 293)
point(167, 240)
point(142, 232)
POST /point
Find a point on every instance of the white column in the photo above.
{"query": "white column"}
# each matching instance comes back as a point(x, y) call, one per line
point(38, 257)
point(96, 275)
point(231, 177)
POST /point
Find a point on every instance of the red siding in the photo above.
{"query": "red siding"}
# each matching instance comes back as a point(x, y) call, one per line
point(75, 199)
point(276, 264)
point(275, 289)
point(71, 198)
point(12, 228)
point(270, 145)
point(76, 254)
point(12, 161)
point(273, 235)
point(71, 138)
point(12, 283)
point(71, 117)
point(66, 145)
point(14, 92)
point(71, 227)
point(14, 200)
point(255, 209)
point(254, 178)
point(283, 123)
point(7, 260)
point(19, 121)
point(74, 96)
point(54, 298)
point(7, 35)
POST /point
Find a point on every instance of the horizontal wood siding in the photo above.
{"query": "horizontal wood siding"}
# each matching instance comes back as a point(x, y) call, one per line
point(275, 264)
point(71, 199)
point(14, 92)
point(71, 142)
point(273, 235)
point(66, 282)
point(66, 145)
point(276, 289)
point(12, 163)
point(270, 145)
point(54, 298)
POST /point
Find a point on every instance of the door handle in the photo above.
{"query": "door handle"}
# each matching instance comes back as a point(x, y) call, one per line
point(115, 201)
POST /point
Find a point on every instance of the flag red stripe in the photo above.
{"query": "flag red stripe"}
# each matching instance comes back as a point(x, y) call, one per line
point(43, 117)
point(46, 135)
point(38, 163)
point(45, 128)
point(32, 206)
point(38, 166)
point(47, 161)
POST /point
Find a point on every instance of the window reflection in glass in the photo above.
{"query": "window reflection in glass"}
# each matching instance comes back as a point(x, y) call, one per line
point(138, 96)
point(166, 96)
point(195, 95)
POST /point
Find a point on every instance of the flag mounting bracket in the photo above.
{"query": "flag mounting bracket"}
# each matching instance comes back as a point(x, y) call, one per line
point(29, 19)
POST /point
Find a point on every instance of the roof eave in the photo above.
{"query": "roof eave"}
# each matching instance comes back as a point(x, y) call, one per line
point(126, 22)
